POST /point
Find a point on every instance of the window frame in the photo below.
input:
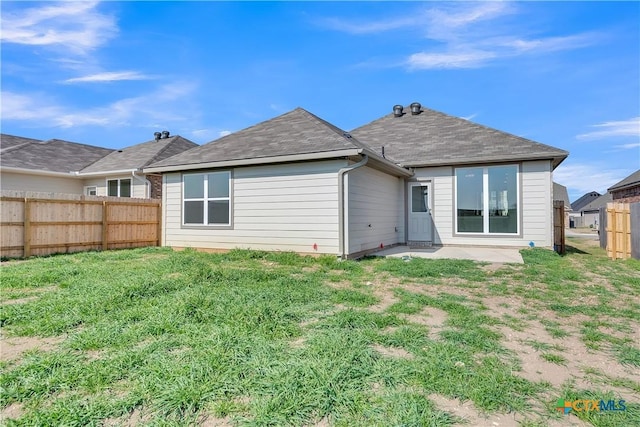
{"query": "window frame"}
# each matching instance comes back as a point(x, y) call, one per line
point(205, 201)
point(486, 200)
point(119, 186)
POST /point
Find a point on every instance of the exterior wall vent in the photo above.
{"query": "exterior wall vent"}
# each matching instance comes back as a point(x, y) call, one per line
point(415, 108)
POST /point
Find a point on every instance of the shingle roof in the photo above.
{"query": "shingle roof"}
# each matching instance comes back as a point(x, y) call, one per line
point(54, 155)
point(295, 132)
point(560, 193)
point(631, 180)
point(597, 203)
point(140, 155)
point(584, 200)
point(433, 138)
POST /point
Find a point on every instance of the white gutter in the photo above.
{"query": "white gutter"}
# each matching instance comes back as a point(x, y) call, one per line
point(147, 185)
point(257, 161)
point(341, 173)
point(116, 172)
point(35, 172)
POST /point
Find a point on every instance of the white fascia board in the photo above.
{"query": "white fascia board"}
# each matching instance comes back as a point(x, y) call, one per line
point(258, 161)
point(378, 162)
point(37, 172)
point(105, 173)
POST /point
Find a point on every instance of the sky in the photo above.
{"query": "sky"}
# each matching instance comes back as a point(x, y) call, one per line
point(566, 74)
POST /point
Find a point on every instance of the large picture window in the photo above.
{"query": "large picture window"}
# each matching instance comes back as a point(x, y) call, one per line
point(207, 198)
point(487, 200)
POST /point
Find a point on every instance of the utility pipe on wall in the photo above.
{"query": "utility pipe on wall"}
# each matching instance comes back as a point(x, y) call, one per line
point(341, 226)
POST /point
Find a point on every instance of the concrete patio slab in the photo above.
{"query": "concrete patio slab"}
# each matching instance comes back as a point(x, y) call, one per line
point(493, 255)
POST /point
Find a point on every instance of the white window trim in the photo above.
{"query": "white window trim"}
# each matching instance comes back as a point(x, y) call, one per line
point(207, 199)
point(485, 203)
point(121, 179)
point(88, 188)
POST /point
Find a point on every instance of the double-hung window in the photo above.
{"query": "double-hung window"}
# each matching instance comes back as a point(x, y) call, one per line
point(487, 200)
point(119, 187)
point(206, 198)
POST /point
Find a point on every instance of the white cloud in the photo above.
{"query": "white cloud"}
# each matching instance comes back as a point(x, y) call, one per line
point(448, 60)
point(464, 35)
point(224, 133)
point(159, 106)
point(471, 117)
point(585, 177)
point(77, 26)
point(618, 128)
point(109, 76)
point(628, 146)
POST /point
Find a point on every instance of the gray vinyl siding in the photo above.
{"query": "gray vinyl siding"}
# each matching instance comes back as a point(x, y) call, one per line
point(286, 207)
point(536, 207)
point(40, 183)
point(138, 189)
point(375, 209)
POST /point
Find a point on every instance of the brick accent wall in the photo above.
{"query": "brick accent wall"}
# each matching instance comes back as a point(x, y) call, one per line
point(626, 195)
point(156, 186)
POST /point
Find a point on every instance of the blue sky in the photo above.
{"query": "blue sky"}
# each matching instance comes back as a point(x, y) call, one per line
point(112, 73)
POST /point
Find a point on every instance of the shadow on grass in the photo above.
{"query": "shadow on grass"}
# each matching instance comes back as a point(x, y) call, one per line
point(570, 250)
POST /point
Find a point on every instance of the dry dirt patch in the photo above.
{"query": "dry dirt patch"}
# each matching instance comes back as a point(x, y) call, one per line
point(393, 352)
point(12, 348)
point(431, 317)
point(11, 412)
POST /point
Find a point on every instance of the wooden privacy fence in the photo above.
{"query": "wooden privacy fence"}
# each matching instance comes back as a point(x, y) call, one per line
point(619, 229)
point(558, 226)
point(43, 224)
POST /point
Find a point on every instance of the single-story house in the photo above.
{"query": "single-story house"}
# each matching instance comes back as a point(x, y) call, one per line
point(627, 190)
point(560, 193)
point(415, 176)
point(575, 216)
point(590, 213)
point(59, 166)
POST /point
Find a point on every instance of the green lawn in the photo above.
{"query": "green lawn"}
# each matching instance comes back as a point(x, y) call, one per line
point(156, 337)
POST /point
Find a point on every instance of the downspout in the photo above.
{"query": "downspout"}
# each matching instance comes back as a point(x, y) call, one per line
point(146, 183)
point(341, 173)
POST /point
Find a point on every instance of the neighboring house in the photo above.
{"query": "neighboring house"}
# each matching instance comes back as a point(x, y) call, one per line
point(45, 166)
point(299, 183)
point(560, 193)
point(69, 167)
point(627, 190)
point(590, 213)
point(575, 216)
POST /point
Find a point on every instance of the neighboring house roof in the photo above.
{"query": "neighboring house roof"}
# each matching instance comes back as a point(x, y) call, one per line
point(630, 181)
point(140, 155)
point(296, 135)
point(54, 155)
point(560, 193)
point(597, 203)
point(432, 138)
point(584, 200)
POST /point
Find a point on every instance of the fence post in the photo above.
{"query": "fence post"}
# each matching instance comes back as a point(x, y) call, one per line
point(105, 226)
point(27, 227)
point(159, 228)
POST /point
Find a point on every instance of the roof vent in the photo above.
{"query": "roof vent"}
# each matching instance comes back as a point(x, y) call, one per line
point(346, 135)
point(165, 133)
point(415, 108)
point(397, 110)
point(157, 135)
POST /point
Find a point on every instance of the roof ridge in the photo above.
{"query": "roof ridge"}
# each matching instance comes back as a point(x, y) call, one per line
point(338, 131)
point(174, 138)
